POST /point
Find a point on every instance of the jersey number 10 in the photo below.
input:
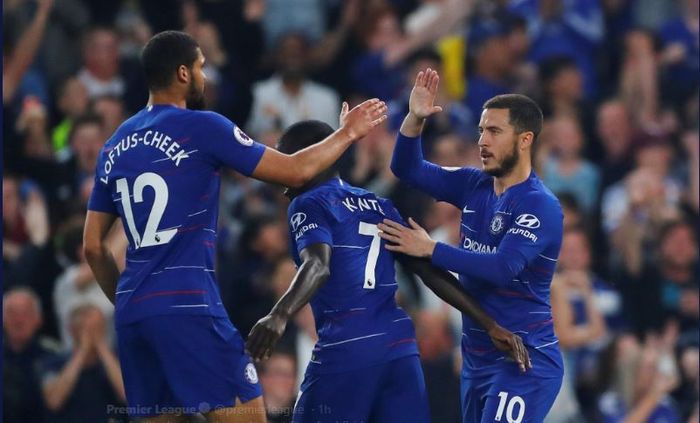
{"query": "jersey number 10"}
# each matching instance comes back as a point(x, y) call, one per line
point(151, 235)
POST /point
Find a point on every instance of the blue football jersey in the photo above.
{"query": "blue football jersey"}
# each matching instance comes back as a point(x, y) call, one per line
point(357, 319)
point(514, 241)
point(160, 173)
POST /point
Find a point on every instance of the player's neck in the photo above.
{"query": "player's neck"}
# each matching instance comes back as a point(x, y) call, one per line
point(319, 180)
point(518, 174)
point(165, 97)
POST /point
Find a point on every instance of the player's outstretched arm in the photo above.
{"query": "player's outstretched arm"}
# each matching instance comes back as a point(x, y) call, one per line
point(407, 162)
point(98, 256)
point(445, 286)
point(312, 274)
point(298, 169)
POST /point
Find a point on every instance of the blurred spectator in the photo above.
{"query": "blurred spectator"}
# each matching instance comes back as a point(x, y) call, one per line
point(681, 54)
point(565, 28)
point(81, 385)
point(566, 170)
point(440, 366)
point(573, 216)
point(376, 73)
point(289, 96)
point(72, 102)
point(687, 393)
point(491, 65)
point(666, 284)
point(650, 191)
point(100, 72)
point(639, 379)
point(307, 17)
point(614, 130)
point(562, 86)
point(77, 286)
point(578, 324)
point(455, 115)
point(25, 231)
point(110, 109)
point(23, 350)
point(278, 378)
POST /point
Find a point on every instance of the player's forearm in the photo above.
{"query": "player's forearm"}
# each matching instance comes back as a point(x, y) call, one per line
point(498, 268)
point(310, 277)
point(105, 269)
point(445, 286)
point(311, 161)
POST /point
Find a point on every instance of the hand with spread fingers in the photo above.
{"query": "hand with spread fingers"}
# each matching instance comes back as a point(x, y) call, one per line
point(413, 241)
point(264, 335)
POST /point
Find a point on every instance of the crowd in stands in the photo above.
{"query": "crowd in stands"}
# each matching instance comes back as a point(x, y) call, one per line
point(617, 80)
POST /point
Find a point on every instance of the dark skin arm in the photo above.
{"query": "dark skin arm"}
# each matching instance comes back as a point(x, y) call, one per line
point(447, 287)
point(311, 275)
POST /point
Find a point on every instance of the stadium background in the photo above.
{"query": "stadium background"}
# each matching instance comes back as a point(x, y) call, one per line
point(618, 83)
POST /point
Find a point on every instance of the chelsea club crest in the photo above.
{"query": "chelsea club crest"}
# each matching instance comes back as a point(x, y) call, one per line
point(496, 224)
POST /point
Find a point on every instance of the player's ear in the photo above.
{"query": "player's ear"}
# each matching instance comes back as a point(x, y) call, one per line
point(183, 74)
point(526, 139)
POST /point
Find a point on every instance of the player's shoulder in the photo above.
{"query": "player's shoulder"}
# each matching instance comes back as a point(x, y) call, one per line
point(537, 195)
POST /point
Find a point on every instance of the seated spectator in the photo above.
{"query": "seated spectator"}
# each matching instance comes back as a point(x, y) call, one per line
point(278, 377)
point(81, 385)
point(23, 350)
point(289, 96)
point(566, 170)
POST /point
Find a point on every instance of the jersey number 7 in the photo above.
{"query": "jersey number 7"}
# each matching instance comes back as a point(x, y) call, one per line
point(374, 250)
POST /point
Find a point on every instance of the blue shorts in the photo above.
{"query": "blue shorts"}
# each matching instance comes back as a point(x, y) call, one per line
point(184, 364)
point(385, 393)
point(508, 397)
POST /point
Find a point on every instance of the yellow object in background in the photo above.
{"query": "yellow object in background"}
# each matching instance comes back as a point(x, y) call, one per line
point(452, 50)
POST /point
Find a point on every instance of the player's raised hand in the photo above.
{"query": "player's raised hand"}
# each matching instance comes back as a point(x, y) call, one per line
point(264, 335)
point(422, 101)
point(512, 344)
point(362, 118)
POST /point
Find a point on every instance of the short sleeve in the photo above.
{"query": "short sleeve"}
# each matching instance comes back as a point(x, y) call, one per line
point(309, 224)
point(226, 144)
point(101, 198)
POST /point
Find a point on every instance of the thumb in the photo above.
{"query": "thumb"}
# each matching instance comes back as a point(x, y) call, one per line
point(345, 107)
point(437, 109)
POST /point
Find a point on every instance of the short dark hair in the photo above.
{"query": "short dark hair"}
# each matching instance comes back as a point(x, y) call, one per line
point(86, 119)
point(303, 134)
point(164, 54)
point(552, 67)
point(524, 114)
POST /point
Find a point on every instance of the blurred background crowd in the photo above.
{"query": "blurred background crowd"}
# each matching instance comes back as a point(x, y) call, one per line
point(618, 83)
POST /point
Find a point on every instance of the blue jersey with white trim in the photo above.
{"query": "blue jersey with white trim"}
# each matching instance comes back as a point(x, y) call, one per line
point(356, 316)
point(509, 245)
point(160, 173)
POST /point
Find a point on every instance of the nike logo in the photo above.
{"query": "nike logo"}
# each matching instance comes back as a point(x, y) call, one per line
point(466, 210)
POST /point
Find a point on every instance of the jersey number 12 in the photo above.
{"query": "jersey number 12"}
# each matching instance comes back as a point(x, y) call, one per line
point(151, 235)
